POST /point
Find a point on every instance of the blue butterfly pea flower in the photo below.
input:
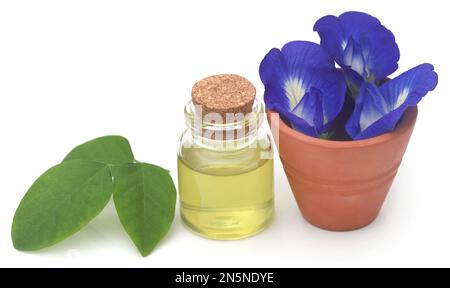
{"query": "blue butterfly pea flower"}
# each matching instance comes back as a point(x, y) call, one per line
point(303, 85)
point(379, 109)
point(364, 48)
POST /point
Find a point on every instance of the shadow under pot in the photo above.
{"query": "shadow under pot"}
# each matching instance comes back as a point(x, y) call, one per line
point(341, 185)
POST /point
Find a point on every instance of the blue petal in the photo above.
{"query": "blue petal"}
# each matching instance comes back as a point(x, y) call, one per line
point(299, 70)
point(378, 110)
point(353, 57)
point(272, 73)
point(370, 108)
point(301, 125)
point(381, 54)
point(301, 54)
point(333, 89)
point(409, 88)
point(296, 122)
point(385, 124)
point(358, 41)
point(310, 109)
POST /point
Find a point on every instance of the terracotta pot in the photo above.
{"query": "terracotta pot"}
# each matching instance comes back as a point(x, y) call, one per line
point(341, 186)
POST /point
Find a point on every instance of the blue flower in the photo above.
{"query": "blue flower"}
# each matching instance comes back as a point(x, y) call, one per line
point(364, 48)
point(303, 85)
point(379, 109)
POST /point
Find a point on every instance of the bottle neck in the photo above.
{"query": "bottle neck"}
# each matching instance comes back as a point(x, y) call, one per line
point(218, 134)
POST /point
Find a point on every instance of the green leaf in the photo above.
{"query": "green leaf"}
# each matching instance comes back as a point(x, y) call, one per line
point(60, 203)
point(113, 150)
point(145, 197)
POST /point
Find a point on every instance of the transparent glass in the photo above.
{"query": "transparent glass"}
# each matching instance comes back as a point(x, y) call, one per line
point(225, 176)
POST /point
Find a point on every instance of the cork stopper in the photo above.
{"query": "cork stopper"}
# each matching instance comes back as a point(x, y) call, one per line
point(223, 94)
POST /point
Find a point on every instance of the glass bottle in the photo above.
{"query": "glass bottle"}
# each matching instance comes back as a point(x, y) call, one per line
point(225, 175)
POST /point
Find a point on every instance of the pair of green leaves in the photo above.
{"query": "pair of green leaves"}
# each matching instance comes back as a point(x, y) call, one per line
point(68, 196)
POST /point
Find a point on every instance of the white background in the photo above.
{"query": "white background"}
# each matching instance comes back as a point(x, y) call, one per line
point(71, 71)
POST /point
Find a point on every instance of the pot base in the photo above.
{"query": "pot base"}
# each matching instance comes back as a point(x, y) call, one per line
point(335, 229)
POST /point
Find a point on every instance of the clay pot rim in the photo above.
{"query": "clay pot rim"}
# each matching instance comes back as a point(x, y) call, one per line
point(408, 120)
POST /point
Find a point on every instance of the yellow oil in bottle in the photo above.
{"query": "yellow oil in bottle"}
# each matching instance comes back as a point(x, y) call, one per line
point(226, 196)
